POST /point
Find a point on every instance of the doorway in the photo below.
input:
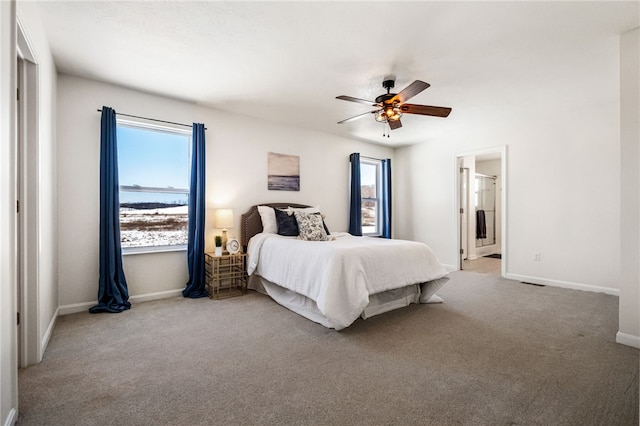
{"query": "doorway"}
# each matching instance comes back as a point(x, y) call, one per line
point(481, 210)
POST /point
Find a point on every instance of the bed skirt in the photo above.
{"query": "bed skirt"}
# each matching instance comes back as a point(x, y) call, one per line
point(378, 303)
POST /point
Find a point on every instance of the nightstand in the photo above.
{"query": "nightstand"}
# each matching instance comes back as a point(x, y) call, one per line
point(225, 276)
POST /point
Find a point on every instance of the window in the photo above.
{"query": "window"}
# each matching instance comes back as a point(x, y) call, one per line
point(153, 172)
point(370, 181)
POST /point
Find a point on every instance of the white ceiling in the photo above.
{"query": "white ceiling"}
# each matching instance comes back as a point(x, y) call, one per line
point(285, 62)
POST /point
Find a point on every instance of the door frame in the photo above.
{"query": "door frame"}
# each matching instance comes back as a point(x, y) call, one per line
point(502, 151)
point(463, 200)
point(27, 178)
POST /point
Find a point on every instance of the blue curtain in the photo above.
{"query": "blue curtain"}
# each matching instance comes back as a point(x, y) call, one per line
point(386, 198)
point(195, 250)
point(355, 205)
point(113, 295)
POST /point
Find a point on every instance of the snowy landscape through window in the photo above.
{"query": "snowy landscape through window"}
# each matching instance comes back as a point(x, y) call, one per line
point(370, 187)
point(153, 169)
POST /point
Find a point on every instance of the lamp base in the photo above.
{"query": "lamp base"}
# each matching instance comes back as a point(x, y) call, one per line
point(224, 240)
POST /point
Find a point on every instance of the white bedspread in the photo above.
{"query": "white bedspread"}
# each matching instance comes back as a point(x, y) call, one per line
point(340, 275)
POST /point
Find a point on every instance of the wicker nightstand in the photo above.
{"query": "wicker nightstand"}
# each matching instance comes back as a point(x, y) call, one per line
point(225, 276)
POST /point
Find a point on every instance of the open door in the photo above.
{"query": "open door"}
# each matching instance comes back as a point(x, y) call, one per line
point(464, 204)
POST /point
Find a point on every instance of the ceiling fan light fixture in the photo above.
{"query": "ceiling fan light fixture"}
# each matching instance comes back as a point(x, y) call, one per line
point(391, 106)
point(393, 113)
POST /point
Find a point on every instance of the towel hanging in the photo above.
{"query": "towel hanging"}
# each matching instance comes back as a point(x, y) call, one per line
point(481, 225)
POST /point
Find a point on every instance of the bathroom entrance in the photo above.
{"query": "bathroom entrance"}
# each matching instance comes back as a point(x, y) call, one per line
point(480, 210)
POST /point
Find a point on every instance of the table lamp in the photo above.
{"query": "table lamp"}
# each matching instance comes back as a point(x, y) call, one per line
point(223, 219)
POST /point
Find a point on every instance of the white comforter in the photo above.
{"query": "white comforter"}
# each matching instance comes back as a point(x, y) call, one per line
point(340, 275)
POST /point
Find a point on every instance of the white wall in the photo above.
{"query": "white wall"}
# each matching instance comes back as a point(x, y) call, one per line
point(237, 148)
point(629, 331)
point(562, 178)
point(8, 346)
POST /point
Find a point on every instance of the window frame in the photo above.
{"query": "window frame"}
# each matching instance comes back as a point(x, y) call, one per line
point(135, 188)
point(377, 232)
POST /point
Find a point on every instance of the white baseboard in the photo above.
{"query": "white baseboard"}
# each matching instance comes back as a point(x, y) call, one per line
point(156, 296)
point(83, 307)
point(563, 284)
point(12, 418)
point(75, 308)
point(628, 339)
point(47, 334)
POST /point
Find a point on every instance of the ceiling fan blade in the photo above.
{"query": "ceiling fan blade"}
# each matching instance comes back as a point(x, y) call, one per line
point(425, 110)
point(410, 91)
point(358, 100)
point(395, 124)
point(357, 116)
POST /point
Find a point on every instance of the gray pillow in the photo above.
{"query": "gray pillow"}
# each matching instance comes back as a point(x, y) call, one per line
point(287, 224)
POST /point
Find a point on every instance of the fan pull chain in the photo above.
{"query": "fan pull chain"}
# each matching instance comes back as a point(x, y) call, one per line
point(385, 132)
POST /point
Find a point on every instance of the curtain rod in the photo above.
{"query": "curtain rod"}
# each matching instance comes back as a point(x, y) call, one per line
point(153, 119)
point(371, 158)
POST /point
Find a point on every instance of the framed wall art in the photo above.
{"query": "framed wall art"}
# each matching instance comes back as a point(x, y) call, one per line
point(283, 172)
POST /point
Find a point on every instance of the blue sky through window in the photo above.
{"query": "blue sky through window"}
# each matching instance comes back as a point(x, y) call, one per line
point(152, 158)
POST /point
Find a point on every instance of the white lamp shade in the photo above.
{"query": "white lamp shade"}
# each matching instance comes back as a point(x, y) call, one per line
point(223, 218)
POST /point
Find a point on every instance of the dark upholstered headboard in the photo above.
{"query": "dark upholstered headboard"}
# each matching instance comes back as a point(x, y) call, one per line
point(251, 224)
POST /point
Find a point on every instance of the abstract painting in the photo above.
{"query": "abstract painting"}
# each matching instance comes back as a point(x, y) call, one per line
point(283, 172)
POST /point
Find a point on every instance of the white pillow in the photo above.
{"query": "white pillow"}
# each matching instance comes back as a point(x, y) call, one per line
point(305, 209)
point(268, 217)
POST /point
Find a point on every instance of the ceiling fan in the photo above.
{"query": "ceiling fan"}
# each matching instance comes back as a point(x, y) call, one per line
point(391, 106)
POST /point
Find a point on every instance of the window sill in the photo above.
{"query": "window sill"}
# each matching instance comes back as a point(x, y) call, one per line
point(127, 251)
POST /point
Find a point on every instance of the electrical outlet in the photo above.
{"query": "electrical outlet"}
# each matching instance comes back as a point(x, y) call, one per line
point(536, 257)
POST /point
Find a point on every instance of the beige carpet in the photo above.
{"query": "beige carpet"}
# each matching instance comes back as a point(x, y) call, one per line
point(497, 352)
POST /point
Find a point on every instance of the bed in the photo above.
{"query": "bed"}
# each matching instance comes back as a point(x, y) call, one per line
point(337, 281)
